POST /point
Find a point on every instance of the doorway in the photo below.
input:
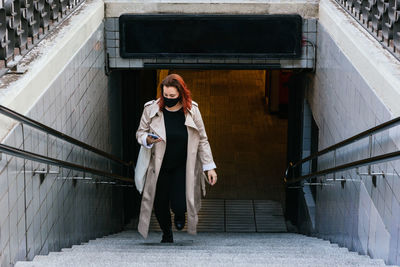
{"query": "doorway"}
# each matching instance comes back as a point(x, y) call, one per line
point(247, 128)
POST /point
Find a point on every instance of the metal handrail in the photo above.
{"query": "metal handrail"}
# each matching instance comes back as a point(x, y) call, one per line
point(37, 125)
point(374, 130)
point(55, 162)
point(374, 160)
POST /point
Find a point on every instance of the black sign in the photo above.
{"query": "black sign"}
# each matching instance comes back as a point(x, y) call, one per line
point(271, 36)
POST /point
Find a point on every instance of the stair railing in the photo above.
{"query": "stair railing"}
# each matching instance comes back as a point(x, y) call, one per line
point(126, 166)
point(290, 173)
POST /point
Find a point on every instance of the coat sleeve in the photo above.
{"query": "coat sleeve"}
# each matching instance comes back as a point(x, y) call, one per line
point(204, 149)
point(144, 129)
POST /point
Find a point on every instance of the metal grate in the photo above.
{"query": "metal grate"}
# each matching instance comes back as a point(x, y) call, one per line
point(211, 216)
point(269, 216)
point(379, 18)
point(24, 23)
point(219, 215)
point(239, 216)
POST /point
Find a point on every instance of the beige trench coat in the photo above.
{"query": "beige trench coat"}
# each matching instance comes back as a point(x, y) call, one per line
point(199, 157)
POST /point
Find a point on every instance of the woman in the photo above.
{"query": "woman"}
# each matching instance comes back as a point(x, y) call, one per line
point(173, 129)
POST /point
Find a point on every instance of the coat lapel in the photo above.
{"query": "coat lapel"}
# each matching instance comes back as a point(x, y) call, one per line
point(157, 121)
point(189, 120)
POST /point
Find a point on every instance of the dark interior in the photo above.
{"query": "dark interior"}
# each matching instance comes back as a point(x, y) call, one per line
point(251, 140)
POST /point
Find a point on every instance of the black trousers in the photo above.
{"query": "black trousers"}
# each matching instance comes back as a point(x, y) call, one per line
point(170, 194)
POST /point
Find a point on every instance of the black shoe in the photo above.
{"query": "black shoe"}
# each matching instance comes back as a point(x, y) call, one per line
point(179, 221)
point(167, 237)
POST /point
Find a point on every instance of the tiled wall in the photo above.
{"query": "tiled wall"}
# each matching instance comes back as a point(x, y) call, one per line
point(36, 217)
point(115, 61)
point(359, 216)
point(306, 151)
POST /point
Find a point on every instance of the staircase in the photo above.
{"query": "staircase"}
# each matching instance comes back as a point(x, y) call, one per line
point(236, 215)
point(128, 248)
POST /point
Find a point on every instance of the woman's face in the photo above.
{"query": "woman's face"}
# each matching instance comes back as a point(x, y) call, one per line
point(170, 92)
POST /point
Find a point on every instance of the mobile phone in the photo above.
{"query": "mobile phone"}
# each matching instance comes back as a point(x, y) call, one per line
point(154, 136)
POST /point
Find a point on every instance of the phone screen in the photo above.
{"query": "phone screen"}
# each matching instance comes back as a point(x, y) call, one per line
point(153, 136)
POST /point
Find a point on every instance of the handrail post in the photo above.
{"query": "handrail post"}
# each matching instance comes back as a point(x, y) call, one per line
point(84, 163)
point(334, 163)
point(47, 151)
point(291, 167)
point(370, 151)
point(84, 157)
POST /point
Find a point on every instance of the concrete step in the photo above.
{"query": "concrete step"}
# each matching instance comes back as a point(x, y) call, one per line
point(205, 249)
point(238, 258)
point(217, 239)
point(136, 264)
point(112, 260)
point(323, 253)
point(194, 254)
point(183, 242)
point(166, 248)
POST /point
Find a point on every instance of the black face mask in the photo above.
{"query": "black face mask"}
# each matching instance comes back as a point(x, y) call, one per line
point(170, 102)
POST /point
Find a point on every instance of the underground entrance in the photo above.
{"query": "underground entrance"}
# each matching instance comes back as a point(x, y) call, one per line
point(247, 114)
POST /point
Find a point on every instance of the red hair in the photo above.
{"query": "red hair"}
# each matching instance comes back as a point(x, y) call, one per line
point(176, 81)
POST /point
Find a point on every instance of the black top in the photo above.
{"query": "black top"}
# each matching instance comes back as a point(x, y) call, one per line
point(177, 138)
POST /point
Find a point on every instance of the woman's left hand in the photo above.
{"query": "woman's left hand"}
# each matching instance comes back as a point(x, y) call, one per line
point(212, 176)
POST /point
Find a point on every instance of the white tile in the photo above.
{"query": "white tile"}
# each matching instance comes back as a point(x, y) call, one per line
point(13, 246)
point(3, 182)
point(302, 63)
point(312, 25)
point(21, 230)
point(4, 209)
point(286, 63)
point(135, 63)
point(20, 183)
point(5, 233)
point(12, 196)
point(37, 243)
point(111, 35)
point(109, 24)
point(122, 63)
point(382, 241)
point(113, 63)
point(20, 207)
point(305, 25)
point(13, 220)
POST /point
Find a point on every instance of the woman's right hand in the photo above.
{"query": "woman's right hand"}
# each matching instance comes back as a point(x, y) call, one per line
point(151, 140)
